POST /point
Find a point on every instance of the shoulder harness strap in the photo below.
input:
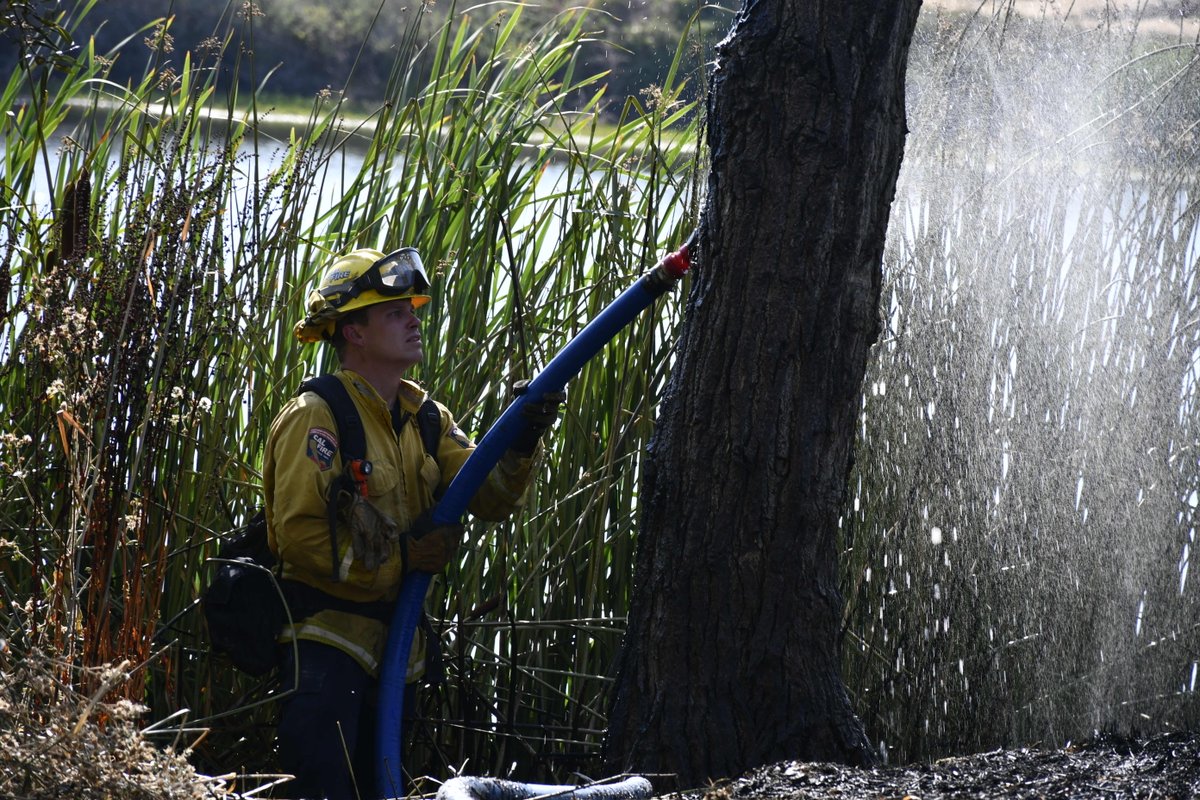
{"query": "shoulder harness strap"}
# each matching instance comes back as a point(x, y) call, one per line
point(352, 438)
point(352, 444)
point(429, 424)
point(429, 421)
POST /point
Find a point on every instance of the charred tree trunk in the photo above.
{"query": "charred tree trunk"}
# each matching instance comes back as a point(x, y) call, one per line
point(731, 658)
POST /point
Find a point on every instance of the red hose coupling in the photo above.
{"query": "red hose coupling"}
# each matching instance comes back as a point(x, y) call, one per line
point(677, 263)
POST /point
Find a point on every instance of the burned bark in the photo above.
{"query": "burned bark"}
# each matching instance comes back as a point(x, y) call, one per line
point(732, 652)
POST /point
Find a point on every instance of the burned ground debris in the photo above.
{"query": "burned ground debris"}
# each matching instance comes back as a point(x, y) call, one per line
point(1166, 766)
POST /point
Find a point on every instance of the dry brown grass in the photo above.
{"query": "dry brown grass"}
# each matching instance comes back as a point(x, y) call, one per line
point(57, 743)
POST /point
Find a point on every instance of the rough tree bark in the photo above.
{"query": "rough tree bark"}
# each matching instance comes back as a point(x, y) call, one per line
point(731, 658)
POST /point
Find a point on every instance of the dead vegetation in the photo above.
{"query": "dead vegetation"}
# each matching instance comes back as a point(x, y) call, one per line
point(58, 743)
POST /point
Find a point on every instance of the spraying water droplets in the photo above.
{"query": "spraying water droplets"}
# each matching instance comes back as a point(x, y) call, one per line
point(1184, 563)
point(1042, 345)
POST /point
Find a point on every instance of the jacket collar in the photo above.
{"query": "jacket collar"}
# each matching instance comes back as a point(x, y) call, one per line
point(410, 397)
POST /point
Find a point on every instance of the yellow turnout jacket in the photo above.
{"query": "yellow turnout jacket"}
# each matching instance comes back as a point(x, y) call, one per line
point(302, 461)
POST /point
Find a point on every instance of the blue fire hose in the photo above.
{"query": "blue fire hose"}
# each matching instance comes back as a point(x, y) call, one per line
point(452, 506)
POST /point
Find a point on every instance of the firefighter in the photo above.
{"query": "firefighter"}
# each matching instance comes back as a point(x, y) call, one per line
point(365, 307)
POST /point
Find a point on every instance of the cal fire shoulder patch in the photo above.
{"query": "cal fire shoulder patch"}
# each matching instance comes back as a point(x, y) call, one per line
point(322, 447)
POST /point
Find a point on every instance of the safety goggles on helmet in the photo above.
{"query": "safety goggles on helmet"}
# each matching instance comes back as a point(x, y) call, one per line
point(396, 274)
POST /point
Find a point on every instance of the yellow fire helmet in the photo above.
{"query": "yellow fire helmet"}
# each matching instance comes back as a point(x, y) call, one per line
point(359, 279)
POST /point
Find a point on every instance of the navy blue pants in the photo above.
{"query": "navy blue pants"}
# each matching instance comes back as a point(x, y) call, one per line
point(326, 735)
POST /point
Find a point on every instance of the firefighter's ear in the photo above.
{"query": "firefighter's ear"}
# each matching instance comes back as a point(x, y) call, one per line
point(352, 334)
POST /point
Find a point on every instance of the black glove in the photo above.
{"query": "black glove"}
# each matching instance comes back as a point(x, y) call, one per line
point(539, 417)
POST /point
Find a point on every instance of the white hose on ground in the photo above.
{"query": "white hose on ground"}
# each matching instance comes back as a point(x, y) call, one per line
point(470, 788)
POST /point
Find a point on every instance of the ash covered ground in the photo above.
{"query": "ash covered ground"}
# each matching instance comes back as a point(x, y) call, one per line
point(1166, 766)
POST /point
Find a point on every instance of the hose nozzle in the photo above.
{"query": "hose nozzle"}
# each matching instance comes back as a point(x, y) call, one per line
point(673, 267)
point(677, 263)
